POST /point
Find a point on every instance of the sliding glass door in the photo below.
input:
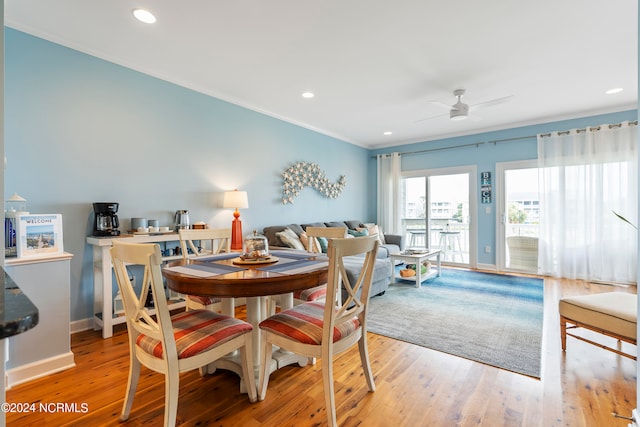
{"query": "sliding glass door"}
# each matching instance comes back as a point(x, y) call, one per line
point(519, 214)
point(436, 212)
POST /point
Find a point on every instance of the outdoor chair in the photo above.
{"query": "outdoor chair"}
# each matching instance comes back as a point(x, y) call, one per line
point(523, 252)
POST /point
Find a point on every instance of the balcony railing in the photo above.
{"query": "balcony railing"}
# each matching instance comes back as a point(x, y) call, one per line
point(415, 235)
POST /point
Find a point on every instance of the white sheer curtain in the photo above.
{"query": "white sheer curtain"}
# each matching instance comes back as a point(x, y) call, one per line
point(586, 175)
point(388, 192)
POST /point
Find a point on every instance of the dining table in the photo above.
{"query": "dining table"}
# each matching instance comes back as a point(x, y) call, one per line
point(229, 276)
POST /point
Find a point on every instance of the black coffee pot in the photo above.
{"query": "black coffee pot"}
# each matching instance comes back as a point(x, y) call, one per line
point(106, 221)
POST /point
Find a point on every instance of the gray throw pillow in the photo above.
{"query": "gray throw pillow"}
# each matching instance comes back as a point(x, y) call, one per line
point(289, 238)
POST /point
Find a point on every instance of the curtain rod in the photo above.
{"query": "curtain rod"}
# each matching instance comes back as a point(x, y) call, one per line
point(476, 144)
point(495, 141)
point(593, 129)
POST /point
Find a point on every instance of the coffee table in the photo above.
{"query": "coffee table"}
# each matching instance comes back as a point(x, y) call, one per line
point(417, 257)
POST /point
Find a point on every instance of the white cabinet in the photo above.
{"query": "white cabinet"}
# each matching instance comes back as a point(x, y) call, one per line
point(46, 348)
point(103, 281)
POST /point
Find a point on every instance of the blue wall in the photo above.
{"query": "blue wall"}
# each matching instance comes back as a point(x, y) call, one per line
point(82, 130)
point(79, 130)
point(485, 157)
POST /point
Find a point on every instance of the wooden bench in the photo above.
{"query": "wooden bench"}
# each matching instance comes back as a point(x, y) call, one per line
point(613, 314)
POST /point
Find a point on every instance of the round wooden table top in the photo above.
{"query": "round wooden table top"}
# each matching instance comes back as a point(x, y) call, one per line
point(249, 282)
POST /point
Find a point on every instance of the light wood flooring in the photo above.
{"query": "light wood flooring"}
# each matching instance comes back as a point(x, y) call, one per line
point(415, 387)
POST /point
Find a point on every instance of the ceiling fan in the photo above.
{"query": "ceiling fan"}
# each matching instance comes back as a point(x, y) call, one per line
point(460, 110)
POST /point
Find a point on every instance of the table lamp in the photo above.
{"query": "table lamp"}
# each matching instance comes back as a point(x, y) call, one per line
point(236, 200)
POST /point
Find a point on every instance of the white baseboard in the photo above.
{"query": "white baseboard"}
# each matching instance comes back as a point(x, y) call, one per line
point(39, 369)
point(81, 325)
point(489, 267)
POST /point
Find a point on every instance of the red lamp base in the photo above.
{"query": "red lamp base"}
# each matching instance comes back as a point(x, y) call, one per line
point(236, 232)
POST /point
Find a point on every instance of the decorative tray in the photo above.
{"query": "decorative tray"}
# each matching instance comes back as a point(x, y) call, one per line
point(151, 233)
point(414, 252)
point(265, 260)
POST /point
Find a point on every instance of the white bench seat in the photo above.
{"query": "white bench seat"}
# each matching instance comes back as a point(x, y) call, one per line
point(612, 313)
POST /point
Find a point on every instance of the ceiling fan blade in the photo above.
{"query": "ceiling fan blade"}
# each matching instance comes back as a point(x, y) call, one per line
point(491, 102)
point(441, 104)
point(429, 118)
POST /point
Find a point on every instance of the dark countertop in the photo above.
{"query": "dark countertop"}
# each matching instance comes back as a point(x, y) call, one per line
point(17, 313)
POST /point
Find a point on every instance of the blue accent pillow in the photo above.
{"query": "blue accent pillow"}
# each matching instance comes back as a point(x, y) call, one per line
point(324, 244)
point(358, 233)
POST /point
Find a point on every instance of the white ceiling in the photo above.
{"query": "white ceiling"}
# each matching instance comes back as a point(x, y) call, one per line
point(373, 65)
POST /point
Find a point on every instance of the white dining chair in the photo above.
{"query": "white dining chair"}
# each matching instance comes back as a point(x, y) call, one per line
point(199, 242)
point(322, 331)
point(317, 293)
point(172, 344)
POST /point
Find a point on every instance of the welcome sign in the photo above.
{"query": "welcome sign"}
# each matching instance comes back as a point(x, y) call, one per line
point(39, 235)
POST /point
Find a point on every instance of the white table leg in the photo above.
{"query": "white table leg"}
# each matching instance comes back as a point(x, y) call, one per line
point(393, 267)
point(418, 272)
point(254, 317)
point(228, 307)
point(102, 283)
point(257, 309)
point(232, 362)
point(286, 301)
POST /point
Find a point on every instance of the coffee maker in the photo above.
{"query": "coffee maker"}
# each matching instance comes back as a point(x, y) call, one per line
point(106, 221)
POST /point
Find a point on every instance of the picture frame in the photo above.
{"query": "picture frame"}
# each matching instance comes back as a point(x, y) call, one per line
point(39, 235)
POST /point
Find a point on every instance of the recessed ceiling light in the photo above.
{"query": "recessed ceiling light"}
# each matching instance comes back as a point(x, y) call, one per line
point(144, 16)
point(388, 132)
point(308, 95)
point(614, 90)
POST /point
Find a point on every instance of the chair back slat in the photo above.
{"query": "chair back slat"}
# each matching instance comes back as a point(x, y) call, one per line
point(149, 257)
point(327, 232)
point(358, 291)
point(211, 241)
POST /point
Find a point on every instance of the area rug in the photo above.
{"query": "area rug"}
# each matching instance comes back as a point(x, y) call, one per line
point(489, 318)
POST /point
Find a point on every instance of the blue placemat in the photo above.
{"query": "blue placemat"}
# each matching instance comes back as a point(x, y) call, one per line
point(296, 266)
point(218, 257)
point(215, 268)
point(291, 254)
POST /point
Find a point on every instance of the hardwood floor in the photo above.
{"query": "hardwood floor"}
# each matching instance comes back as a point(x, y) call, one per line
point(415, 387)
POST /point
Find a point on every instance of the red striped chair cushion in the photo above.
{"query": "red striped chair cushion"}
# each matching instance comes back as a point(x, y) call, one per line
point(312, 294)
point(197, 331)
point(303, 323)
point(204, 300)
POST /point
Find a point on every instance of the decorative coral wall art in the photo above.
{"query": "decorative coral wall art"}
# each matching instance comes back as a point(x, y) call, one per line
point(305, 174)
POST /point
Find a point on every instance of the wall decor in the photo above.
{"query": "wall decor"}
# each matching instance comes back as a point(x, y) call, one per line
point(485, 187)
point(39, 235)
point(306, 174)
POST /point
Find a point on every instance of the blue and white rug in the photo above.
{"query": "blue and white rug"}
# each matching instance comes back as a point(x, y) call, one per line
point(489, 318)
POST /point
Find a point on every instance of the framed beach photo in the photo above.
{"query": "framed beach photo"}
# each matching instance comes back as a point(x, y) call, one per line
point(39, 235)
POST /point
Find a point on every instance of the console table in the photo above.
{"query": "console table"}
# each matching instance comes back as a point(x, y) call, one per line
point(103, 313)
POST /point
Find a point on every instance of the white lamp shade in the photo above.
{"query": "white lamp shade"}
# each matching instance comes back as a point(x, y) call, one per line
point(235, 200)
